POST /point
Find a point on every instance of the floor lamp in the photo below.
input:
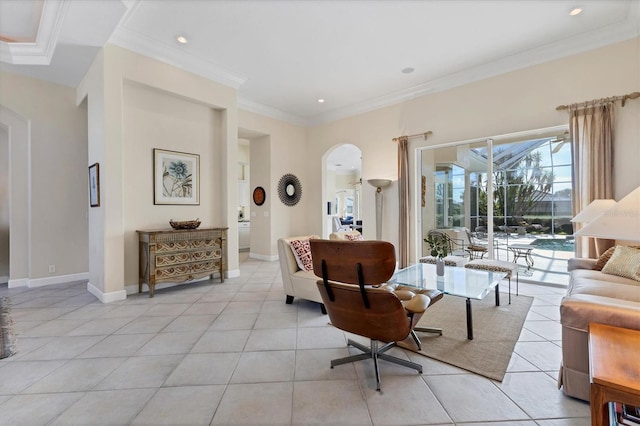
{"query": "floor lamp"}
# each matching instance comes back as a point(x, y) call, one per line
point(590, 213)
point(379, 184)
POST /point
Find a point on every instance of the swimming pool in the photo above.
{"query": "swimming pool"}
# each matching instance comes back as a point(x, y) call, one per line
point(557, 244)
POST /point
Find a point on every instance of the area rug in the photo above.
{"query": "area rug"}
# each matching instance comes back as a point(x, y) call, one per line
point(7, 336)
point(495, 332)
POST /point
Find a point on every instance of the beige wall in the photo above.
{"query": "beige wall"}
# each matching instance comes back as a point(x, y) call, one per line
point(517, 101)
point(58, 174)
point(154, 119)
point(110, 84)
point(278, 149)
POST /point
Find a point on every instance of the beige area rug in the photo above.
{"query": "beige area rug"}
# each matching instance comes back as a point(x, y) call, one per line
point(495, 332)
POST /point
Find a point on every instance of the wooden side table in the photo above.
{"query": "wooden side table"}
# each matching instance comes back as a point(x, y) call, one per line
point(614, 362)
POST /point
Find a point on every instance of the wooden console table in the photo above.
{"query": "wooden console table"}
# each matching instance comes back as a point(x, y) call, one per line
point(614, 369)
point(168, 255)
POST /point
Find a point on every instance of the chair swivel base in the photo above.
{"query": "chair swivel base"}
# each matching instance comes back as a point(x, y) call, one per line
point(416, 339)
point(374, 352)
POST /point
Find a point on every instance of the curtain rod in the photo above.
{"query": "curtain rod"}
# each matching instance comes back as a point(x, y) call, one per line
point(623, 98)
point(424, 135)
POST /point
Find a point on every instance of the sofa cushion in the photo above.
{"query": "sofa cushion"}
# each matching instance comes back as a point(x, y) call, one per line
point(302, 253)
point(590, 282)
point(624, 262)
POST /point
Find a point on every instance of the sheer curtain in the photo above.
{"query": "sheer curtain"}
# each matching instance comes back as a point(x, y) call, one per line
point(592, 133)
point(403, 197)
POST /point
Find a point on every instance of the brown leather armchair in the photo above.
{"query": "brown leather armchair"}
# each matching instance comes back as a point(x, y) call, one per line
point(357, 300)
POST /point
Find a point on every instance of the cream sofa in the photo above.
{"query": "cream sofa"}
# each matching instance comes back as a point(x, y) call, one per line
point(592, 296)
point(296, 282)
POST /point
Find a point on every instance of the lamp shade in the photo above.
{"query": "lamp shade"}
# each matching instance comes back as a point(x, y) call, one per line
point(620, 222)
point(593, 210)
point(379, 183)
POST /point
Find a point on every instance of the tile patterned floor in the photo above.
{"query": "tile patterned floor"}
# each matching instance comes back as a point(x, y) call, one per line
point(235, 353)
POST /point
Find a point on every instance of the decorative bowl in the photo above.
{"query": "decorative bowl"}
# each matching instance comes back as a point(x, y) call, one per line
point(185, 224)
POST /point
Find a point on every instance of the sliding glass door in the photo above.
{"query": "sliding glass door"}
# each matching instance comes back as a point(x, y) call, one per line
point(528, 177)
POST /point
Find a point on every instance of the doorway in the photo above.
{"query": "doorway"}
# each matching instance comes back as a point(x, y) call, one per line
point(342, 188)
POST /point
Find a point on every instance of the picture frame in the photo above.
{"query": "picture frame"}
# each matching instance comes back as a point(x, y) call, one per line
point(94, 185)
point(176, 178)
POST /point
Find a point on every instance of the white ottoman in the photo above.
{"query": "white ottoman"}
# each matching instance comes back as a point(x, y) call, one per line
point(509, 268)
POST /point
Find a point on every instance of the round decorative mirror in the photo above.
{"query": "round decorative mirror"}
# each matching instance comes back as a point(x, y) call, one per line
point(289, 189)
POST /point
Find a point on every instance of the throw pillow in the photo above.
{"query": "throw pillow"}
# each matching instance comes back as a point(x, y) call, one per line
point(354, 237)
point(604, 257)
point(302, 253)
point(624, 262)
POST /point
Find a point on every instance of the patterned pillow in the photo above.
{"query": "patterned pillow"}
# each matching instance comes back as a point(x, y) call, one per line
point(604, 257)
point(624, 262)
point(354, 237)
point(302, 253)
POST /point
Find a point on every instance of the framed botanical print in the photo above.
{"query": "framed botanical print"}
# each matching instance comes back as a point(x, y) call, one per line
point(94, 185)
point(176, 177)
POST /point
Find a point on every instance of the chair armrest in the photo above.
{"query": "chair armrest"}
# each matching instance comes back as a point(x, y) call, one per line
point(581, 263)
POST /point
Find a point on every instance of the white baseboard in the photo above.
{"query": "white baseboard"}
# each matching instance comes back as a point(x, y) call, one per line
point(106, 297)
point(4, 279)
point(233, 273)
point(20, 282)
point(263, 257)
point(58, 279)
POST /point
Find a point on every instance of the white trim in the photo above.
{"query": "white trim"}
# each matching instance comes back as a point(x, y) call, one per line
point(40, 52)
point(106, 297)
point(171, 55)
point(20, 282)
point(233, 273)
point(614, 33)
point(58, 279)
point(272, 112)
point(4, 278)
point(263, 257)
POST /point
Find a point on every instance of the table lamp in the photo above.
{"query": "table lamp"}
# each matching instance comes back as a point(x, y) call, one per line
point(620, 222)
point(590, 213)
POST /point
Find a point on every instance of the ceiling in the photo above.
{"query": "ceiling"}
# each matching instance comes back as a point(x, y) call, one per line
point(283, 56)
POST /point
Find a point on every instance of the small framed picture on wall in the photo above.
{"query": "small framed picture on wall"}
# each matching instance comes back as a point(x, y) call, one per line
point(94, 185)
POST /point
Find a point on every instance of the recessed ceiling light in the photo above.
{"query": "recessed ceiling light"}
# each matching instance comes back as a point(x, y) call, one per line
point(407, 70)
point(320, 101)
point(575, 11)
point(182, 39)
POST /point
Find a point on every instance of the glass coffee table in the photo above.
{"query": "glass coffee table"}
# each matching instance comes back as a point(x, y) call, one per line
point(457, 281)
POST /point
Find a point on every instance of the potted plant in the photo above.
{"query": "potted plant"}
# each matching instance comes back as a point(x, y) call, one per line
point(439, 249)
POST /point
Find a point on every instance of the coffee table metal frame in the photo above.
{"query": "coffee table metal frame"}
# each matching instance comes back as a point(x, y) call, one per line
point(457, 281)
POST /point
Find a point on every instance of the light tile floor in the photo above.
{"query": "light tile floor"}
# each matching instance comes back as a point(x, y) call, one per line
point(235, 353)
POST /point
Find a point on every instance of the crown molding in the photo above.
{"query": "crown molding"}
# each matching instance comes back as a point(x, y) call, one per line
point(171, 55)
point(614, 33)
point(40, 52)
point(272, 112)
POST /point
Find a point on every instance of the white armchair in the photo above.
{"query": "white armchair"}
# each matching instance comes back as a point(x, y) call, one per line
point(338, 226)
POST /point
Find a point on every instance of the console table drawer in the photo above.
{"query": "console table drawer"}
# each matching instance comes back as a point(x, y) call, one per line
point(173, 246)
